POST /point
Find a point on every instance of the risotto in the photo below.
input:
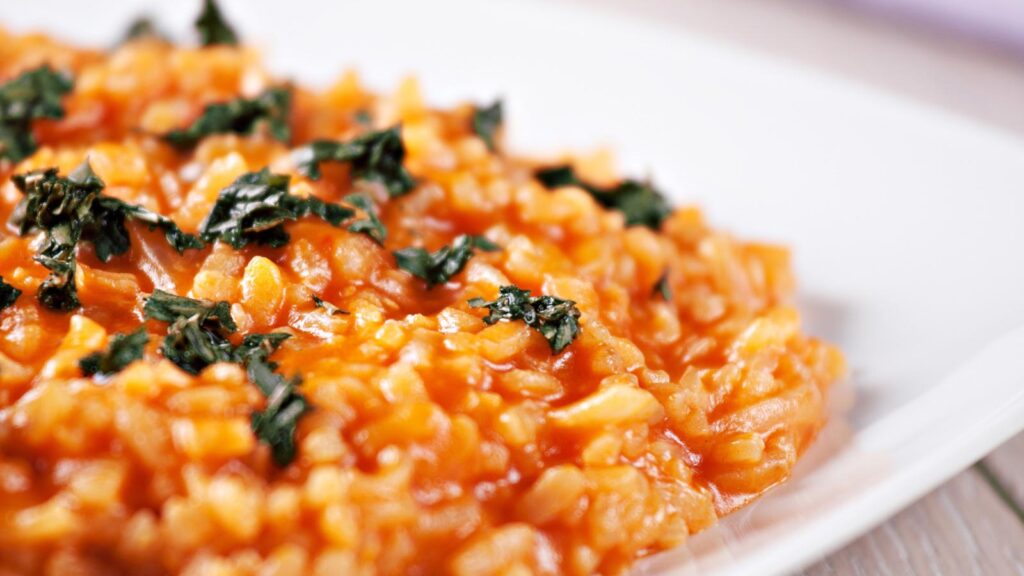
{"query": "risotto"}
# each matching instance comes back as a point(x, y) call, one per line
point(253, 328)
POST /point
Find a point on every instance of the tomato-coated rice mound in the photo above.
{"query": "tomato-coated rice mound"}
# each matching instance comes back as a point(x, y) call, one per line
point(666, 383)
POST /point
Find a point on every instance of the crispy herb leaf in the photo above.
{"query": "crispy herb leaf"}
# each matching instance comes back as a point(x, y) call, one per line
point(110, 236)
point(212, 27)
point(62, 208)
point(141, 28)
point(32, 95)
point(239, 116)
point(8, 294)
point(122, 350)
point(438, 267)
point(363, 117)
point(371, 225)
point(374, 156)
point(72, 210)
point(255, 207)
point(486, 123)
point(197, 335)
point(329, 308)
point(662, 287)
point(259, 346)
point(555, 318)
point(275, 425)
point(640, 202)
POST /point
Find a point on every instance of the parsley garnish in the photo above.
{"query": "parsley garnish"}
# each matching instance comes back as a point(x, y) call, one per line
point(72, 210)
point(255, 207)
point(640, 202)
point(371, 225)
point(555, 318)
point(212, 27)
point(30, 96)
point(122, 350)
point(662, 287)
point(239, 116)
point(197, 335)
point(329, 308)
point(438, 267)
point(374, 157)
point(275, 425)
point(486, 122)
point(8, 294)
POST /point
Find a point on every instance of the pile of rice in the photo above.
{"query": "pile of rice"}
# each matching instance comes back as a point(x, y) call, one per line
point(436, 444)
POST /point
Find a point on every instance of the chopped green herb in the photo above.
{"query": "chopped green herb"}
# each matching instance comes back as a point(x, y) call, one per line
point(255, 207)
point(363, 117)
point(141, 28)
point(555, 318)
point(486, 123)
point(374, 156)
point(8, 294)
point(662, 287)
point(639, 202)
point(329, 308)
point(110, 236)
point(438, 267)
point(239, 116)
point(30, 96)
point(275, 425)
point(259, 346)
point(122, 350)
point(72, 210)
point(62, 208)
point(197, 335)
point(212, 27)
point(371, 225)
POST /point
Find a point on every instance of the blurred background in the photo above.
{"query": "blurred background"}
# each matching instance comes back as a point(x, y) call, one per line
point(966, 56)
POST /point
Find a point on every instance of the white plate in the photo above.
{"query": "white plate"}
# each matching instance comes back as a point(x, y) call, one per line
point(906, 222)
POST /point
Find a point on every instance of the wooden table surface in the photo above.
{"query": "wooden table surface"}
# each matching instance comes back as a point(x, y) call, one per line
point(974, 524)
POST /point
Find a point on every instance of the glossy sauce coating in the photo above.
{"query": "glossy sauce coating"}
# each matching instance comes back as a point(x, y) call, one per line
point(437, 444)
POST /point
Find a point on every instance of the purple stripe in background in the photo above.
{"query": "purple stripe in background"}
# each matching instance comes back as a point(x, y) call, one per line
point(998, 22)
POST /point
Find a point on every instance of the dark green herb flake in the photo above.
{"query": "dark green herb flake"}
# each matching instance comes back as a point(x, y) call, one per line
point(639, 202)
point(142, 28)
point(275, 425)
point(212, 27)
point(663, 288)
point(122, 350)
point(486, 123)
point(555, 318)
point(374, 157)
point(62, 208)
point(259, 346)
point(30, 96)
point(197, 335)
point(8, 294)
point(239, 116)
point(371, 225)
point(329, 308)
point(363, 117)
point(438, 267)
point(70, 210)
point(255, 207)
